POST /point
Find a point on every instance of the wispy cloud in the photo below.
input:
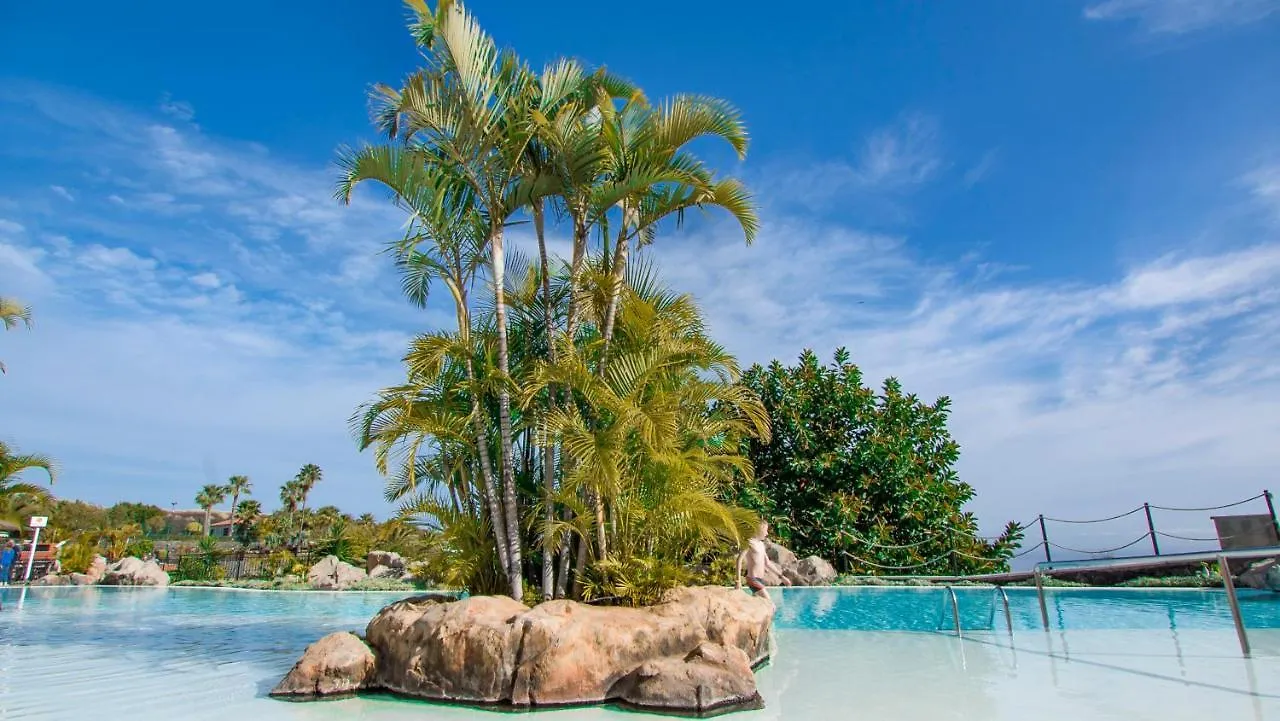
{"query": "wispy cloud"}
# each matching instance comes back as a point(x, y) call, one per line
point(889, 162)
point(62, 192)
point(1175, 17)
point(178, 109)
point(981, 169)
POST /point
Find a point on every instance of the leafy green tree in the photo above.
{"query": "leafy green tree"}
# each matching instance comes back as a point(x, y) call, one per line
point(142, 514)
point(77, 516)
point(208, 497)
point(862, 478)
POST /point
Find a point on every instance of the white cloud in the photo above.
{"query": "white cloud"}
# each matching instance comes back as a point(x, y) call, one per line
point(179, 109)
point(1175, 17)
point(902, 155)
point(207, 280)
point(62, 192)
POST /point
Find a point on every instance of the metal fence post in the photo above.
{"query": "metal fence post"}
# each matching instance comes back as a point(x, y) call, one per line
point(1044, 537)
point(1151, 529)
point(1271, 508)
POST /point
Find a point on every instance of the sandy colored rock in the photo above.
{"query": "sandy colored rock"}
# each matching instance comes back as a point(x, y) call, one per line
point(97, 569)
point(331, 574)
point(385, 572)
point(131, 571)
point(815, 571)
point(709, 678)
point(692, 653)
point(337, 664)
point(384, 558)
point(1264, 575)
point(573, 653)
point(435, 647)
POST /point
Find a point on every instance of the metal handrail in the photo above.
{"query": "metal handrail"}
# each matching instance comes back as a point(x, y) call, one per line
point(1008, 617)
point(955, 609)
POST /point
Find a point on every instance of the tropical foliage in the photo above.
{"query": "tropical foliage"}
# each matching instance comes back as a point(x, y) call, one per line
point(564, 416)
point(863, 478)
point(19, 498)
point(12, 314)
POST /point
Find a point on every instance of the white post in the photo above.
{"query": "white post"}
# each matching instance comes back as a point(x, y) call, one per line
point(35, 539)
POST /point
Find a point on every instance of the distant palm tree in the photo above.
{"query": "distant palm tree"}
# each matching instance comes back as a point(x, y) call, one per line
point(237, 486)
point(248, 511)
point(307, 478)
point(208, 497)
point(13, 312)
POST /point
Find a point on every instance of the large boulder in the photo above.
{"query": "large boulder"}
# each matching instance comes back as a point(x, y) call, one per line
point(692, 653)
point(1264, 575)
point(131, 571)
point(709, 678)
point(338, 664)
point(97, 569)
point(387, 559)
point(812, 571)
point(51, 579)
point(815, 572)
point(433, 647)
point(331, 574)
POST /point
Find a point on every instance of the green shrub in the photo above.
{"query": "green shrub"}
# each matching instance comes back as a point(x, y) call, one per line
point(633, 582)
point(76, 557)
point(140, 547)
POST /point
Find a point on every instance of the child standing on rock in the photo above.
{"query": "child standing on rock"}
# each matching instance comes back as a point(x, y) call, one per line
point(755, 559)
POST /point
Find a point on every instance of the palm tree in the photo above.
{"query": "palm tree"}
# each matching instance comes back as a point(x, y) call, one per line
point(446, 243)
point(237, 486)
point(208, 497)
point(468, 114)
point(12, 464)
point(248, 512)
point(307, 478)
point(13, 312)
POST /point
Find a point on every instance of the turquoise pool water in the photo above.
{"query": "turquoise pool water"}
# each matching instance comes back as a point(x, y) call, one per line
point(927, 609)
point(108, 653)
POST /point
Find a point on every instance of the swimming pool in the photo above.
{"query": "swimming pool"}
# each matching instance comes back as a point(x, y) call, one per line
point(119, 653)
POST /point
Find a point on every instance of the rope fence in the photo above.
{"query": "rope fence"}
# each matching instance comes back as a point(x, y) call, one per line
point(1151, 535)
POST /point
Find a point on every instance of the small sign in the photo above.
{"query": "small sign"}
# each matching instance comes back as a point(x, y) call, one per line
point(39, 521)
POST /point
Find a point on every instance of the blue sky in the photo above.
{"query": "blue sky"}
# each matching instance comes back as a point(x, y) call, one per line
point(1063, 214)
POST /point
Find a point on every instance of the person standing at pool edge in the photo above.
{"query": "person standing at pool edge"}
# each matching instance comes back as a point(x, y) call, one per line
point(755, 559)
point(6, 562)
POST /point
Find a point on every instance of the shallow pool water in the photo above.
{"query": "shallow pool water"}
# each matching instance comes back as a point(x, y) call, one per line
point(106, 653)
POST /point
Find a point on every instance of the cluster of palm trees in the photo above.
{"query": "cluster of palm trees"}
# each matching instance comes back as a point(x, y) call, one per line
point(578, 409)
point(293, 496)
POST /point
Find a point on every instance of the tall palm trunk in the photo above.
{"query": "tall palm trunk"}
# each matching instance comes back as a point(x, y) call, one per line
point(548, 447)
point(514, 568)
point(208, 511)
point(235, 498)
point(487, 484)
point(616, 275)
point(497, 521)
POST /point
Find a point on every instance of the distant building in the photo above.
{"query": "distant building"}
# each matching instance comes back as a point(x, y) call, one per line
point(221, 529)
point(176, 521)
